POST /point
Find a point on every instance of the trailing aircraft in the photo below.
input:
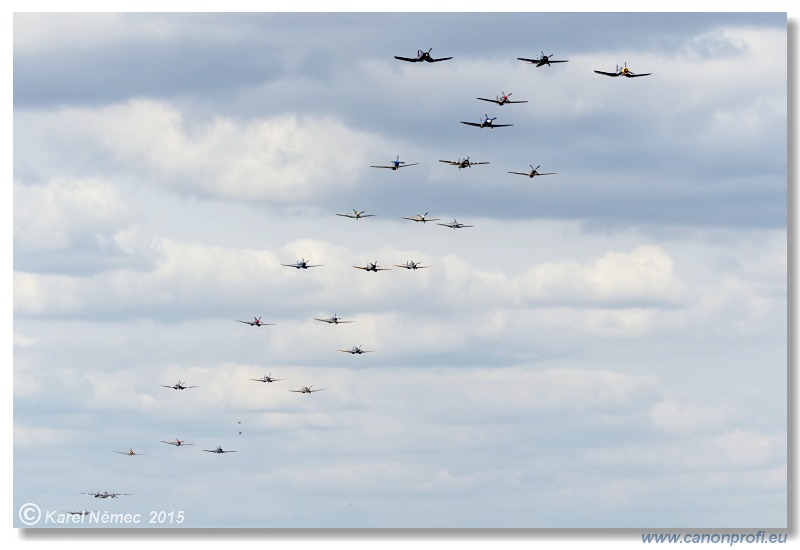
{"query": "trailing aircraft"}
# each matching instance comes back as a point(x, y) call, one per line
point(422, 56)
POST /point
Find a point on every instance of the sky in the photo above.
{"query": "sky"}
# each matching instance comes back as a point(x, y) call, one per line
point(605, 348)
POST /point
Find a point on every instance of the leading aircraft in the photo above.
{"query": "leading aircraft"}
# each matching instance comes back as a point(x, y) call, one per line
point(355, 350)
point(333, 320)
point(256, 322)
point(422, 56)
point(396, 164)
point(106, 494)
point(421, 217)
point(502, 99)
point(266, 378)
point(218, 451)
point(454, 224)
point(486, 123)
point(177, 442)
point(624, 71)
point(533, 172)
point(373, 267)
point(466, 163)
point(302, 264)
point(412, 265)
point(307, 389)
point(179, 386)
point(543, 60)
point(356, 215)
point(129, 453)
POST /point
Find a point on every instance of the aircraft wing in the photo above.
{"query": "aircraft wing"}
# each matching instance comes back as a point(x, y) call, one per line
point(558, 61)
point(607, 74)
point(471, 123)
point(520, 101)
point(485, 162)
point(440, 59)
point(405, 165)
point(635, 75)
point(325, 320)
point(412, 60)
point(521, 173)
point(545, 173)
point(245, 322)
point(489, 100)
point(453, 162)
point(495, 126)
point(528, 60)
point(351, 215)
point(361, 267)
point(312, 391)
point(390, 167)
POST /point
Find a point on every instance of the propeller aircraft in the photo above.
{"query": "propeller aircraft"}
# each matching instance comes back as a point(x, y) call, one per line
point(355, 350)
point(396, 164)
point(218, 451)
point(421, 217)
point(502, 99)
point(543, 60)
point(106, 494)
point(454, 224)
point(333, 320)
point(486, 123)
point(624, 71)
point(129, 453)
point(373, 267)
point(179, 386)
point(466, 163)
point(307, 389)
point(533, 172)
point(422, 56)
point(177, 442)
point(266, 378)
point(301, 264)
point(412, 265)
point(256, 322)
point(356, 215)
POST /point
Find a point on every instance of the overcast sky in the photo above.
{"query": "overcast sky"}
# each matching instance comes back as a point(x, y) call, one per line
point(606, 347)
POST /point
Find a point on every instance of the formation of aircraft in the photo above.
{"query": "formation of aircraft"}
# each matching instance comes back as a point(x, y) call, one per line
point(355, 350)
point(333, 320)
point(502, 99)
point(534, 172)
point(542, 60)
point(302, 263)
point(218, 451)
point(422, 56)
point(256, 322)
point(307, 389)
point(487, 123)
point(372, 267)
point(106, 494)
point(624, 71)
point(412, 265)
point(396, 164)
point(129, 453)
point(266, 378)
point(356, 215)
point(177, 442)
point(179, 386)
point(466, 163)
point(455, 224)
point(421, 217)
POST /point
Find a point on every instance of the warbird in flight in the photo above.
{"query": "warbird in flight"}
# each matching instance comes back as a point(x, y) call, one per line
point(543, 60)
point(373, 267)
point(129, 453)
point(333, 320)
point(534, 172)
point(355, 350)
point(307, 389)
point(624, 71)
point(256, 322)
point(486, 123)
point(421, 217)
point(454, 224)
point(266, 378)
point(218, 451)
point(422, 56)
point(412, 265)
point(356, 215)
point(466, 163)
point(106, 494)
point(177, 442)
point(179, 386)
point(502, 99)
point(396, 164)
point(302, 264)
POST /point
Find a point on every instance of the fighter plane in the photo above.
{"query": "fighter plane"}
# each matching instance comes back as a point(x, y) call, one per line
point(301, 264)
point(307, 389)
point(421, 217)
point(129, 453)
point(502, 99)
point(486, 123)
point(395, 164)
point(333, 320)
point(412, 265)
point(84, 513)
point(455, 224)
point(355, 350)
point(177, 442)
point(106, 494)
point(373, 267)
point(178, 386)
point(356, 215)
point(422, 56)
point(466, 163)
point(533, 172)
point(624, 71)
point(266, 378)
point(543, 60)
point(256, 322)
point(218, 451)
